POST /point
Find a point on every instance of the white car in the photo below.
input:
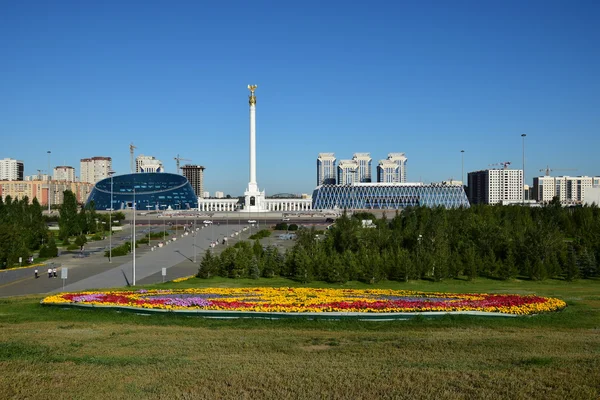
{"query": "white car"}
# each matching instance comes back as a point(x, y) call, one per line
point(208, 222)
point(285, 219)
point(251, 221)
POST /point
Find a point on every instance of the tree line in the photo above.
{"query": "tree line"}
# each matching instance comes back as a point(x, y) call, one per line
point(498, 242)
point(23, 228)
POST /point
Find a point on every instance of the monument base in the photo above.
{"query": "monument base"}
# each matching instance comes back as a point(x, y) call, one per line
point(254, 202)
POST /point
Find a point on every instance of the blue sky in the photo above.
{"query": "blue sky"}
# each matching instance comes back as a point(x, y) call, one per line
point(85, 79)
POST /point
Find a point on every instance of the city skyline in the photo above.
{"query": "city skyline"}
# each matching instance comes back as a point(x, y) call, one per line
point(427, 80)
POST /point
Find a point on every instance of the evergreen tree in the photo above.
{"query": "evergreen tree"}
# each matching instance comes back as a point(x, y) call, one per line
point(68, 222)
point(207, 266)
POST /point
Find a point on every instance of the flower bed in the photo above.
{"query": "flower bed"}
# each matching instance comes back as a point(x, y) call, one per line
point(305, 300)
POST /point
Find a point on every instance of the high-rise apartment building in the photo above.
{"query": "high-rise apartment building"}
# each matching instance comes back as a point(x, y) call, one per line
point(219, 195)
point(568, 189)
point(493, 186)
point(347, 172)
point(387, 171)
point(326, 169)
point(64, 173)
point(364, 161)
point(148, 164)
point(195, 175)
point(94, 169)
point(11, 170)
point(400, 160)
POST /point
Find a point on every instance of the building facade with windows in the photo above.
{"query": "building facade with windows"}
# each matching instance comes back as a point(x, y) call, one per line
point(347, 172)
point(94, 169)
point(387, 171)
point(326, 170)
point(568, 189)
point(364, 161)
point(38, 189)
point(493, 186)
point(149, 191)
point(195, 175)
point(392, 196)
point(64, 173)
point(148, 164)
point(11, 170)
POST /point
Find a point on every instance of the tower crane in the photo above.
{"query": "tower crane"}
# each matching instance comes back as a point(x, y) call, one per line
point(504, 164)
point(547, 170)
point(131, 148)
point(178, 159)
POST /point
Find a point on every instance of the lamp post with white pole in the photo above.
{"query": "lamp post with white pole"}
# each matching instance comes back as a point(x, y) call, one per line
point(110, 210)
point(523, 188)
point(462, 166)
point(49, 181)
point(195, 239)
point(133, 236)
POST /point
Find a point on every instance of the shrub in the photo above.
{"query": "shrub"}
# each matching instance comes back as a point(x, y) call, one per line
point(73, 247)
point(261, 234)
point(293, 227)
point(96, 237)
point(121, 250)
point(282, 226)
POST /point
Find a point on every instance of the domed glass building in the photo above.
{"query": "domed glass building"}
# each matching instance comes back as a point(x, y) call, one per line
point(153, 191)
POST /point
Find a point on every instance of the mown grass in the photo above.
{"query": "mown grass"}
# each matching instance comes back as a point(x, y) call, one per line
point(53, 352)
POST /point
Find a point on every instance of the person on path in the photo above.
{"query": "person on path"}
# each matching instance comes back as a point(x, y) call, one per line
point(49, 272)
point(54, 273)
point(36, 274)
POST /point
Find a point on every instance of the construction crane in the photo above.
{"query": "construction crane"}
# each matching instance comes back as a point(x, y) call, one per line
point(504, 164)
point(180, 159)
point(131, 148)
point(547, 170)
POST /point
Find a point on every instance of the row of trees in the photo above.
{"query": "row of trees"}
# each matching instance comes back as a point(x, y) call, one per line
point(22, 229)
point(499, 242)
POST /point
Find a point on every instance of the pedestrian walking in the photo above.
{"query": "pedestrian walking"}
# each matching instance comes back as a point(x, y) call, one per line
point(36, 274)
point(49, 272)
point(54, 273)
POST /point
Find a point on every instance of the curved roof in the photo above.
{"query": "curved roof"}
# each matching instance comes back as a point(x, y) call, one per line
point(153, 190)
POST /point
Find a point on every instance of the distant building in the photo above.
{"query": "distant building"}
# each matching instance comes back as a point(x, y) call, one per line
point(568, 189)
point(387, 171)
point(347, 172)
point(326, 169)
point(195, 175)
point(38, 177)
point(148, 164)
point(206, 195)
point(64, 173)
point(364, 161)
point(95, 169)
point(400, 160)
point(219, 195)
point(38, 189)
point(11, 170)
point(492, 186)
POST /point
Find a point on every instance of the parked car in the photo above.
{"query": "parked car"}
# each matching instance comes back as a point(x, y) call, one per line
point(329, 220)
point(251, 221)
point(285, 219)
point(208, 222)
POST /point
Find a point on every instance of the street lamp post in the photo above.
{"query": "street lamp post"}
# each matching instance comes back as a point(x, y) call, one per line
point(110, 210)
point(462, 166)
point(49, 181)
point(523, 188)
point(133, 236)
point(195, 239)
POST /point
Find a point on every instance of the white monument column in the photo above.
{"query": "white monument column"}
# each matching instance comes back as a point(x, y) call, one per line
point(255, 200)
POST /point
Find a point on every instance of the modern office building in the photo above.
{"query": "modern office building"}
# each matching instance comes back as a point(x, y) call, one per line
point(493, 186)
point(392, 196)
point(400, 160)
point(149, 191)
point(326, 170)
point(206, 195)
point(94, 169)
point(568, 189)
point(347, 172)
point(195, 175)
point(219, 195)
point(148, 164)
point(364, 161)
point(11, 170)
point(64, 173)
point(38, 189)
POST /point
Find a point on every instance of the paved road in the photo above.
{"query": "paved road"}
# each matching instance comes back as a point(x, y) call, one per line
point(95, 271)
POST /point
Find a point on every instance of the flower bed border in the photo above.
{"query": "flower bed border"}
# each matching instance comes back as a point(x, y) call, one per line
point(219, 314)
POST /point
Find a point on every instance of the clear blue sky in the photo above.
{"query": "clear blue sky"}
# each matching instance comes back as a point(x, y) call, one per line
point(86, 78)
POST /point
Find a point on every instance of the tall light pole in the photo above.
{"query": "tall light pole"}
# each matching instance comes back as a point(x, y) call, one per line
point(194, 239)
point(110, 210)
point(523, 188)
point(133, 236)
point(49, 181)
point(462, 165)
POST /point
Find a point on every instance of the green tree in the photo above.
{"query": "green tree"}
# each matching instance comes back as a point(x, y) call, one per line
point(207, 266)
point(69, 221)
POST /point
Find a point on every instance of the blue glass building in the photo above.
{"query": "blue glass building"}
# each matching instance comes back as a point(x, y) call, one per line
point(392, 196)
point(153, 191)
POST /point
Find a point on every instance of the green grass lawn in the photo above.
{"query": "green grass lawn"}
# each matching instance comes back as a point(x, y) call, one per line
point(54, 352)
